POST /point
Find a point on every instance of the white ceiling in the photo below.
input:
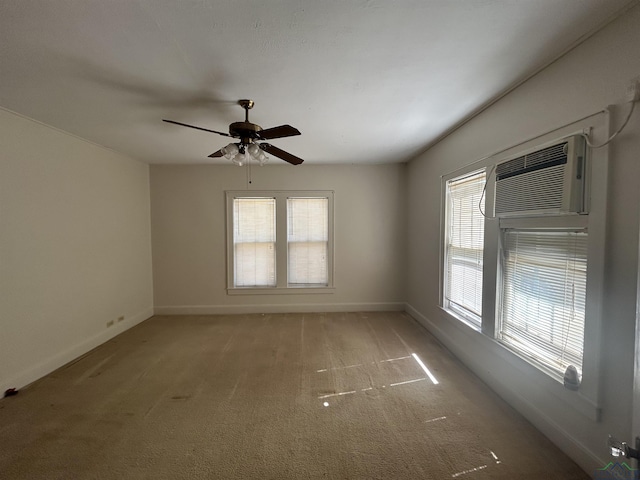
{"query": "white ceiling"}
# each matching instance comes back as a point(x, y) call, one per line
point(365, 81)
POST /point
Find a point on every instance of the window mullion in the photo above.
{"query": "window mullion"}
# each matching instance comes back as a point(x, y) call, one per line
point(281, 241)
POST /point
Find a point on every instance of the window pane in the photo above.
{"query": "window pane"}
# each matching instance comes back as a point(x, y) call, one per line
point(543, 297)
point(464, 247)
point(307, 240)
point(254, 237)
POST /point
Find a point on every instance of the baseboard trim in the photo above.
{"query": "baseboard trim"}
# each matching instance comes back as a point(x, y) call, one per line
point(51, 364)
point(278, 308)
point(572, 446)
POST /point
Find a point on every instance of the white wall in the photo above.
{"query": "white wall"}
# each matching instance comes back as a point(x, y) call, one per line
point(587, 80)
point(188, 225)
point(75, 247)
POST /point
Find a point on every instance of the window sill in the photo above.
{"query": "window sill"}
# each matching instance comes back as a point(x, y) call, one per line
point(462, 319)
point(581, 401)
point(281, 291)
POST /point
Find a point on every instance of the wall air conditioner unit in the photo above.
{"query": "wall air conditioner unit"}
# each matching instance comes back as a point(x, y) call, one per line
point(549, 180)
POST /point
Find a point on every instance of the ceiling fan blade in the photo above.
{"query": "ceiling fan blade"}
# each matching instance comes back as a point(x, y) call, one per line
point(216, 154)
point(286, 156)
point(278, 132)
point(197, 128)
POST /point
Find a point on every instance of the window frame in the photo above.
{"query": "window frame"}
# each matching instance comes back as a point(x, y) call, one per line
point(297, 247)
point(587, 399)
point(469, 318)
point(257, 239)
point(282, 286)
point(554, 223)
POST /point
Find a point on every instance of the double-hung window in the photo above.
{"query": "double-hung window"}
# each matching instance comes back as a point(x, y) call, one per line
point(544, 279)
point(279, 242)
point(254, 242)
point(530, 275)
point(464, 247)
point(308, 241)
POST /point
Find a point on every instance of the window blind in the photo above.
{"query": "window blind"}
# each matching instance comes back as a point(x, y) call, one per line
point(464, 247)
point(307, 240)
point(254, 237)
point(543, 296)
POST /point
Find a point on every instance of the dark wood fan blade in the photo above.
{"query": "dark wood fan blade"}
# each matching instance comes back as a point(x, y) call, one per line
point(286, 156)
point(197, 128)
point(216, 154)
point(278, 132)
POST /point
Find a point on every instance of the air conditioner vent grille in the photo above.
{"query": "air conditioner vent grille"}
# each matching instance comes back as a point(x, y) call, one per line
point(547, 157)
point(531, 191)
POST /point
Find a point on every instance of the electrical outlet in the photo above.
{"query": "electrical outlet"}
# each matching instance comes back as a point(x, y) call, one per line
point(121, 318)
point(110, 323)
point(633, 90)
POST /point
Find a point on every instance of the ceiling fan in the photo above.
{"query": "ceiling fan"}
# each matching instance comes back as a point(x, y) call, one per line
point(249, 134)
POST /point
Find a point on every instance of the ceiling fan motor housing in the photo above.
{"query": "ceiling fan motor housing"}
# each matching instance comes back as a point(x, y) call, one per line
point(245, 130)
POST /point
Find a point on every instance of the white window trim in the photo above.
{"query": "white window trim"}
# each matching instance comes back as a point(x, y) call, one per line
point(457, 313)
point(563, 223)
point(489, 256)
point(587, 399)
point(281, 242)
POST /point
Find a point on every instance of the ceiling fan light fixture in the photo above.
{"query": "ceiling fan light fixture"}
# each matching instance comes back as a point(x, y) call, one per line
point(243, 155)
point(257, 154)
point(239, 159)
point(230, 151)
point(254, 150)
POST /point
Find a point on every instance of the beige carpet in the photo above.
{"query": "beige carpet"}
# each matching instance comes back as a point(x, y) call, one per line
point(288, 396)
